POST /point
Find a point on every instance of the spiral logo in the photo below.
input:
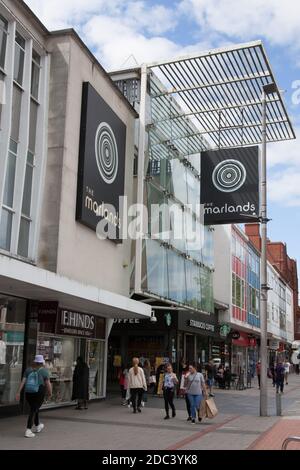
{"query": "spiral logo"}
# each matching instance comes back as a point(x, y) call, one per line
point(229, 176)
point(106, 152)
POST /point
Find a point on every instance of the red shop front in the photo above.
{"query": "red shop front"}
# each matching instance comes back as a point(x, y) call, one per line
point(244, 353)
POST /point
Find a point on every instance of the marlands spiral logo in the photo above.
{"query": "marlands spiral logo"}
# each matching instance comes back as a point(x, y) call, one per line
point(229, 176)
point(106, 151)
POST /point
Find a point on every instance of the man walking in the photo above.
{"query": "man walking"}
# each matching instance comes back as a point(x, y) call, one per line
point(258, 369)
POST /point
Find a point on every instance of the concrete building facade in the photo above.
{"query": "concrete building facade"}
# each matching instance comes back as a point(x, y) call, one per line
point(61, 286)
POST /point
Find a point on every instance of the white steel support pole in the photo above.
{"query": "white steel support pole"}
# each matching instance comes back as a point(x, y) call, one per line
point(263, 276)
point(140, 178)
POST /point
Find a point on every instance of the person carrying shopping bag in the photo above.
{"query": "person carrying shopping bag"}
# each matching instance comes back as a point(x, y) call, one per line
point(183, 392)
point(196, 390)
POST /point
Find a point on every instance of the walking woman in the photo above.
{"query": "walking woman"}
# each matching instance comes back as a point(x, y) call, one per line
point(196, 390)
point(81, 384)
point(183, 392)
point(137, 384)
point(170, 380)
point(36, 381)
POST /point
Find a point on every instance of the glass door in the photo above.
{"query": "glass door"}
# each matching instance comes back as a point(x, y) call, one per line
point(95, 361)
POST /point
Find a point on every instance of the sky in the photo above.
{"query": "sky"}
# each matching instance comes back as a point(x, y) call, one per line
point(123, 33)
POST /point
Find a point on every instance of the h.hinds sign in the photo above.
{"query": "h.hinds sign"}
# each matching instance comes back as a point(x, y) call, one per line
point(76, 324)
point(230, 185)
point(101, 165)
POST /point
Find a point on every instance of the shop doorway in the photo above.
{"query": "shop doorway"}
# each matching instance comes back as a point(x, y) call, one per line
point(189, 348)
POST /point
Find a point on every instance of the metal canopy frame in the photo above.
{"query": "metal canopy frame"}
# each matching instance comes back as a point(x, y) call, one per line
point(220, 92)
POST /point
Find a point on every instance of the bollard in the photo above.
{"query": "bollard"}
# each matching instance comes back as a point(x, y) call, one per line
point(278, 404)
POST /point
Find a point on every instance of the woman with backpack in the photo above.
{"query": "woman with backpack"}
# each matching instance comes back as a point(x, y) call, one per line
point(36, 382)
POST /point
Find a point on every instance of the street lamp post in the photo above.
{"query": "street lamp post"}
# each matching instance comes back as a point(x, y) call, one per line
point(267, 90)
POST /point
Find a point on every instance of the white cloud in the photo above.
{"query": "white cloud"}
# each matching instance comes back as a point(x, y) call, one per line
point(284, 172)
point(275, 20)
point(284, 187)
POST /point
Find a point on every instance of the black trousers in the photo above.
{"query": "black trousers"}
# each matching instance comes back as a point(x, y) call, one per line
point(35, 401)
point(169, 397)
point(136, 394)
point(280, 384)
point(188, 405)
point(258, 378)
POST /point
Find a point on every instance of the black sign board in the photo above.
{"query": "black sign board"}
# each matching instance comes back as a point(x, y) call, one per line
point(235, 334)
point(230, 185)
point(101, 166)
point(76, 324)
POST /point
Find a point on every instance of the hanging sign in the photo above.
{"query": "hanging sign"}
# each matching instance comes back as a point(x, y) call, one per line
point(230, 185)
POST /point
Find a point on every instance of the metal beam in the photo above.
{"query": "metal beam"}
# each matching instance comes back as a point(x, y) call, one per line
point(199, 86)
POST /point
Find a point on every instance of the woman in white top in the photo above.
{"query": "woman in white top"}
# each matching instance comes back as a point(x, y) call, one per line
point(137, 384)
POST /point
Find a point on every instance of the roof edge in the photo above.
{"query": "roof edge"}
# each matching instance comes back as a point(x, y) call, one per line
point(71, 32)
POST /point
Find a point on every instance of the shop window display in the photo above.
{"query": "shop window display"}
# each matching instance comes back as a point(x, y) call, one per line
point(12, 328)
point(60, 354)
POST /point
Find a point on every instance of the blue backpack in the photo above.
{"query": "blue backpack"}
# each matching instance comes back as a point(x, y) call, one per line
point(32, 382)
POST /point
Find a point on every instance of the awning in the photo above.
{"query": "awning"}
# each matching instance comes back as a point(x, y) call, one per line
point(220, 93)
point(22, 279)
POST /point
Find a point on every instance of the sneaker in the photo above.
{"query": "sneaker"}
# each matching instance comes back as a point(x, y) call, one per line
point(39, 428)
point(167, 417)
point(193, 421)
point(29, 433)
point(189, 419)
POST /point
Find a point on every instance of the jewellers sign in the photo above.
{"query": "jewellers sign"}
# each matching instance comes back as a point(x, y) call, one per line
point(76, 324)
point(201, 325)
point(230, 185)
point(101, 166)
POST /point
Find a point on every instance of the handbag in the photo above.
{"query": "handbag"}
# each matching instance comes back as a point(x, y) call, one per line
point(152, 379)
point(211, 409)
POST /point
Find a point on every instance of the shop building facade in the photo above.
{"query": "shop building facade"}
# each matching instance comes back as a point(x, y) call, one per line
point(169, 271)
point(238, 272)
point(237, 284)
point(174, 336)
point(61, 286)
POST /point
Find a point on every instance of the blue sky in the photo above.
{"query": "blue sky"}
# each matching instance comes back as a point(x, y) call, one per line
point(122, 33)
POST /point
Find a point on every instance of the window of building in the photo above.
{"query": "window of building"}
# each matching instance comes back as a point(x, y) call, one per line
point(9, 186)
point(5, 228)
point(3, 41)
point(19, 59)
point(35, 75)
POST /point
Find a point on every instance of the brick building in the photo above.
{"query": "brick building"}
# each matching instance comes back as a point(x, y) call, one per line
point(286, 266)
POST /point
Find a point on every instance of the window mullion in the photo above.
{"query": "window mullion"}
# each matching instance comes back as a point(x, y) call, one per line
point(23, 146)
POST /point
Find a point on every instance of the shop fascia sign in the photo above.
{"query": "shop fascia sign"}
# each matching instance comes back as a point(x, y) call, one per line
point(235, 335)
point(201, 325)
point(224, 330)
point(76, 323)
point(274, 344)
point(127, 320)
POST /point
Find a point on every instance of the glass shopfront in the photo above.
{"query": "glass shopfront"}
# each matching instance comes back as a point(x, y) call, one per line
point(12, 330)
point(61, 336)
